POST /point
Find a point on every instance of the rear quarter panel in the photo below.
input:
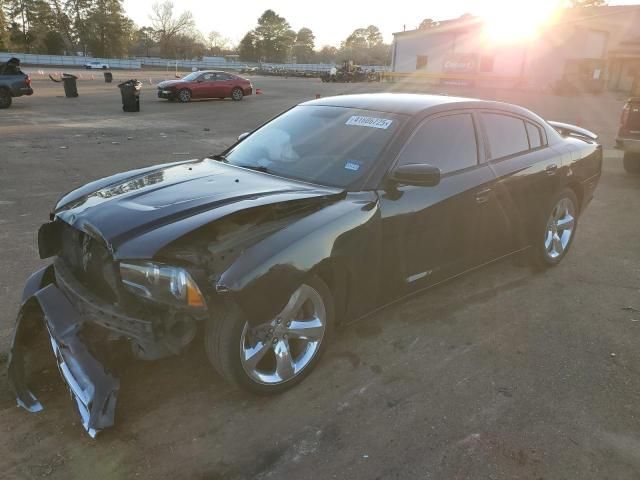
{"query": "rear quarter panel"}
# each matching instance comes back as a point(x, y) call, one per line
point(584, 168)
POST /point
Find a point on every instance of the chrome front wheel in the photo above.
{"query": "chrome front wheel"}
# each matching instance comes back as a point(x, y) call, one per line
point(277, 351)
point(184, 95)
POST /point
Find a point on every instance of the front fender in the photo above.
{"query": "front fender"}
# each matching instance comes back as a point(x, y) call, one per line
point(346, 233)
point(37, 281)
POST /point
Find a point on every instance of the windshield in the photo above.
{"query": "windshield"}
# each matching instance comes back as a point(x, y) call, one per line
point(192, 76)
point(325, 145)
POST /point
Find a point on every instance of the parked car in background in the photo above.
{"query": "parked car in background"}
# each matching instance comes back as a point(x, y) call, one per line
point(206, 84)
point(96, 66)
point(628, 139)
point(13, 82)
point(333, 209)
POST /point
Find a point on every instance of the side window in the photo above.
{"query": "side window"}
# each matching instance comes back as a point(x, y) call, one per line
point(448, 143)
point(208, 77)
point(535, 137)
point(507, 135)
point(223, 76)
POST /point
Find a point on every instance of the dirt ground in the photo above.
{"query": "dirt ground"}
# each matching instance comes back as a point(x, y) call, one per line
point(503, 374)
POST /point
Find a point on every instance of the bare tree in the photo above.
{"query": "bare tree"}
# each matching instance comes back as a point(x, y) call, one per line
point(169, 28)
point(216, 42)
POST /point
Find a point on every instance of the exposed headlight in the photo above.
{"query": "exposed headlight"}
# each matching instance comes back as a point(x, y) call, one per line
point(161, 283)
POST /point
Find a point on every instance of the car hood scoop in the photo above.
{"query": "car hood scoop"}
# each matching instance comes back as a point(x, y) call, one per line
point(171, 201)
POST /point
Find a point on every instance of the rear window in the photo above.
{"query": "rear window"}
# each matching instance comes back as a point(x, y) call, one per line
point(535, 136)
point(507, 135)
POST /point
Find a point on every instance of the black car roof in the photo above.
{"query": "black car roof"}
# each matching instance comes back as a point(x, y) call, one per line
point(411, 103)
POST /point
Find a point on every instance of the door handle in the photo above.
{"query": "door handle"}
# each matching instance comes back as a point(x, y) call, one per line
point(483, 195)
point(551, 169)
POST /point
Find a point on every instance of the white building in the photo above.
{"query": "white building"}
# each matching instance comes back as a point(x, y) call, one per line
point(584, 48)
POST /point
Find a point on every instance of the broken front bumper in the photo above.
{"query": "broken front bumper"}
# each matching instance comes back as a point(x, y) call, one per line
point(92, 387)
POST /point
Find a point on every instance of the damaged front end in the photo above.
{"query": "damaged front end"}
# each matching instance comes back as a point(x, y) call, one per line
point(79, 303)
point(92, 387)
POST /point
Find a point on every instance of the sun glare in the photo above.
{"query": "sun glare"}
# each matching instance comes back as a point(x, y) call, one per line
point(509, 21)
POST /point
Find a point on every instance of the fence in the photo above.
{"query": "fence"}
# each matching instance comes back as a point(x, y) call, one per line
point(68, 60)
point(138, 63)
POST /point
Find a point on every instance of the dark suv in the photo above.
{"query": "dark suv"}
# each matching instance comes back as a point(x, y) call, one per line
point(629, 135)
point(13, 82)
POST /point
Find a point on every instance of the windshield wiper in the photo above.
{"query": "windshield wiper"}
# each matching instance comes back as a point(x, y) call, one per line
point(257, 168)
point(219, 157)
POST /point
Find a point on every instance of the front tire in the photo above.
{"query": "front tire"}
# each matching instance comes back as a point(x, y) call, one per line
point(237, 94)
point(631, 162)
point(554, 235)
point(278, 354)
point(184, 95)
point(5, 99)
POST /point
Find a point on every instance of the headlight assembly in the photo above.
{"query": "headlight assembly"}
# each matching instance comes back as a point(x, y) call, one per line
point(161, 283)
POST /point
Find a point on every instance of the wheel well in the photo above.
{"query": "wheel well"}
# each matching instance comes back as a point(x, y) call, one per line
point(577, 189)
point(337, 279)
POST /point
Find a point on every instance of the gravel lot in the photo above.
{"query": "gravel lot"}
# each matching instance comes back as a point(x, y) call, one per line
point(503, 374)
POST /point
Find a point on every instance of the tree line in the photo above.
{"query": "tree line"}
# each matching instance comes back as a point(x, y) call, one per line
point(101, 28)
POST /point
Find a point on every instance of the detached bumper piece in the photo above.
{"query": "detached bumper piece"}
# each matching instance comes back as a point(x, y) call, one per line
point(92, 387)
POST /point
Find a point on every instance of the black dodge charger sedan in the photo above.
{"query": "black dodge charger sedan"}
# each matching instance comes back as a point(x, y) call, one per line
point(329, 211)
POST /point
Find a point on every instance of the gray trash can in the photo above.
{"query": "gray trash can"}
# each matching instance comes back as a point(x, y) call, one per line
point(70, 85)
point(130, 91)
point(108, 77)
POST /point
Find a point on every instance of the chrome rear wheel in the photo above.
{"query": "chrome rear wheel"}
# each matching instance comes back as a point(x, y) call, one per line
point(560, 228)
point(555, 230)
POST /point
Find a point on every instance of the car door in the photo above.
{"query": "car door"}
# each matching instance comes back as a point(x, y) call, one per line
point(432, 233)
point(224, 85)
point(528, 171)
point(201, 86)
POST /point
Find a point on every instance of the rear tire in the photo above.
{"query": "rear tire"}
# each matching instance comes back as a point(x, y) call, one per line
point(631, 163)
point(555, 231)
point(279, 354)
point(237, 94)
point(5, 99)
point(184, 95)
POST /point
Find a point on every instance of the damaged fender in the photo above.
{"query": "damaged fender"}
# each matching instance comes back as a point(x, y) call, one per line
point(339, 237)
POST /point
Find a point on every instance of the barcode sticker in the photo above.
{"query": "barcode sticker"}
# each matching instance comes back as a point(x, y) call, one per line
point(371, 122)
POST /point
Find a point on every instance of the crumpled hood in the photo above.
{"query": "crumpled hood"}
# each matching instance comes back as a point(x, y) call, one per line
point(137, 215)
point(169, 83)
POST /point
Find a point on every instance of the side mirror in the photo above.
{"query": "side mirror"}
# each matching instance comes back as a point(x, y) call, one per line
point(242, 136)
point(417, 174)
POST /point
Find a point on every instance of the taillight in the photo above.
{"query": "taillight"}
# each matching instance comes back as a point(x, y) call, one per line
point(28, 81)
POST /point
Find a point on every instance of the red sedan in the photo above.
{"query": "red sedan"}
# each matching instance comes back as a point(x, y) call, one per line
point(207, 84)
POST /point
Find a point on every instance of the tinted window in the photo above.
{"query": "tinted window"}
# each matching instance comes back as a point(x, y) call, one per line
point(224, 76)
point(506, 135)
point(535, 139)
point(448, 143)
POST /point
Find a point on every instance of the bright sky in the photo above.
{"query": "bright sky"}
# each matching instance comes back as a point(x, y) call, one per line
point(333, 20)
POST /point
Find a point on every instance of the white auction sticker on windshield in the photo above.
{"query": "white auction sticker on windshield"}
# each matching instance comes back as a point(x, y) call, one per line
point(372, 122)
